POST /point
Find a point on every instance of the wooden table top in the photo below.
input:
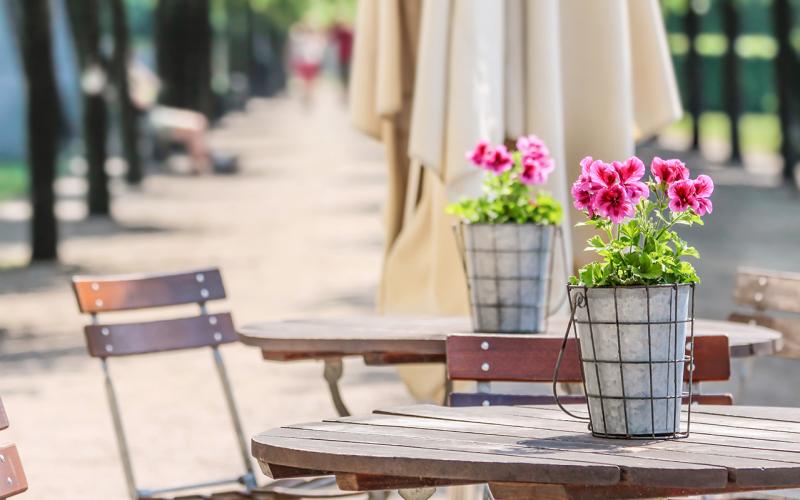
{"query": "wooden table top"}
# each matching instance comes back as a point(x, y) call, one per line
point(409, 337)
point(731, 448)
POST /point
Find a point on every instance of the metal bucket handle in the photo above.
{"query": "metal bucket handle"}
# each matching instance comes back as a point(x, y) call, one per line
point(580, 301)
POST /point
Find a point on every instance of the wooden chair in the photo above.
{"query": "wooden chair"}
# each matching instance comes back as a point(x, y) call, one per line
point(117, 293)
point(771, 291)
point(508, 358)
point(12, 476)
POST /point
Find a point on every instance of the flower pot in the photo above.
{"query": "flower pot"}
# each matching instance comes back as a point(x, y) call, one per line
point(508, 273)
point(633, 345)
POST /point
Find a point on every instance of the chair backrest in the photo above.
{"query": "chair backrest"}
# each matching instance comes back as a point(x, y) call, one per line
point(530, 359)
point(119, 293)
point(105, 340)
point(12, 476)
point(771, 291)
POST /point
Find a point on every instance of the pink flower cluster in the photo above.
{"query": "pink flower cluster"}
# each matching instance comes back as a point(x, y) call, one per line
point(537, 164)
point(613, 190)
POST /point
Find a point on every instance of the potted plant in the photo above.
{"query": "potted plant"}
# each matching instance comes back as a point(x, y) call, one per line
point(632, 307)
point(507, 235)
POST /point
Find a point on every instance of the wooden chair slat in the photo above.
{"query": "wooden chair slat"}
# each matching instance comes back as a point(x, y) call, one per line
point(516, 359)
point(461, 399)
point(12, 476)
point(155, 336)
point(117, 293)
point(768, 290)
point(789, 327)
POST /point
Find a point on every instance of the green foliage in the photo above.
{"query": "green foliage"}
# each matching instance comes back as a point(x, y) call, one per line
point(642, 251)
point(505, 200)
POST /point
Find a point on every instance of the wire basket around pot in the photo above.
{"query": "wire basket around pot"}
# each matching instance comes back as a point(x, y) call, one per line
point(633, 351)
point(508, 269)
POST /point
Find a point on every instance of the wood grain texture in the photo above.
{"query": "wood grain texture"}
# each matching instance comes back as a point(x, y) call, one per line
point(768, 290)
point(525, 444)
point(522, 491)
point(140, 291)
point(157, 336)
point(533, 359)
point(425, 336)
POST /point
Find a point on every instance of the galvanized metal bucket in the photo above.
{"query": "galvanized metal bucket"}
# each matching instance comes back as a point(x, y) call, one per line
point(633, 348)
point(508, 269)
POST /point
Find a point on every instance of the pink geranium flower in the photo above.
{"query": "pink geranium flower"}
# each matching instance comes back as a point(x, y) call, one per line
point(630, 173)
point(583, 196)
point(531, 144)
point(613, 202)
point(536, 170)
point(477, 154)
point(498, 159)
point(703, 187)
point(603, 174)
point(682, 195)
point(668, 171)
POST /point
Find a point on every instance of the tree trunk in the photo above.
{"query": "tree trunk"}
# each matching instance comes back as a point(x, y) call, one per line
point(95, 114)
point(693, 74)
point(43, 118)
point(731, 83)
point(128, 116)
point(184, 54)
point(784, 73)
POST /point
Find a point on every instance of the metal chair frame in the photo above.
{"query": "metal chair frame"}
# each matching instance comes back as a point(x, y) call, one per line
point(247, 479)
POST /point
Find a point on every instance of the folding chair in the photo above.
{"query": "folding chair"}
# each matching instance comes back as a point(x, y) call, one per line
point(771, 291)
point(117, 293)
point(508, 358)
point(12, 477)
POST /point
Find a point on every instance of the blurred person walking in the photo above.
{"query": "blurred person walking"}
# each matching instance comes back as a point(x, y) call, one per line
point(306, 50)
point(341, 35)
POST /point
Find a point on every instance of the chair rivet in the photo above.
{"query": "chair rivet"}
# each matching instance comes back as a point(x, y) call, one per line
point(217, 336)
point(95, 286)
point(691, 367)
point(199, 277)
point(485, 402)
point(204, 293)
point(762, 280)
point(758, 297)
point(212, 320)
point(98, 302)
point(109, 348)
point(2, 458)
point(105, 331)
point(688, 346)
point(485, 346)
point(9, 481)
point(485, 367)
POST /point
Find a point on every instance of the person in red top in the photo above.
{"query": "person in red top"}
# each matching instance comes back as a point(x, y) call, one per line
point(341, 35)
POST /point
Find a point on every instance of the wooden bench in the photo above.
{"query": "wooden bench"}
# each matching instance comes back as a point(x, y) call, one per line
point(768, 292)
point(206, 330)
point(12, 476)
point(494, 358)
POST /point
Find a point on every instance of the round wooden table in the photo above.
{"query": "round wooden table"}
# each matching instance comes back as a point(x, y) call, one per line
point(538, 452)
point(407, 339)
point(398, 339)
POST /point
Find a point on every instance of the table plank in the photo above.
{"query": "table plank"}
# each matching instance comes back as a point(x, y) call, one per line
point(424, 444)
point(301, 449)
point(556, 420)
point(403, 337)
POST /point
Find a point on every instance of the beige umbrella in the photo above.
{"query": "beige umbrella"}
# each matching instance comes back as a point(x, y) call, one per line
point(588, 76)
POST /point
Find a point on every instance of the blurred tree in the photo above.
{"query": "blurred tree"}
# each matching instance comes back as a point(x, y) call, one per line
point(129, 121)
point(85, 18)
point(183, 46)
point(43, 119)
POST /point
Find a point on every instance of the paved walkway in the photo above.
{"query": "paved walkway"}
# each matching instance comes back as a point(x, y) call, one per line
point(298, 232)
